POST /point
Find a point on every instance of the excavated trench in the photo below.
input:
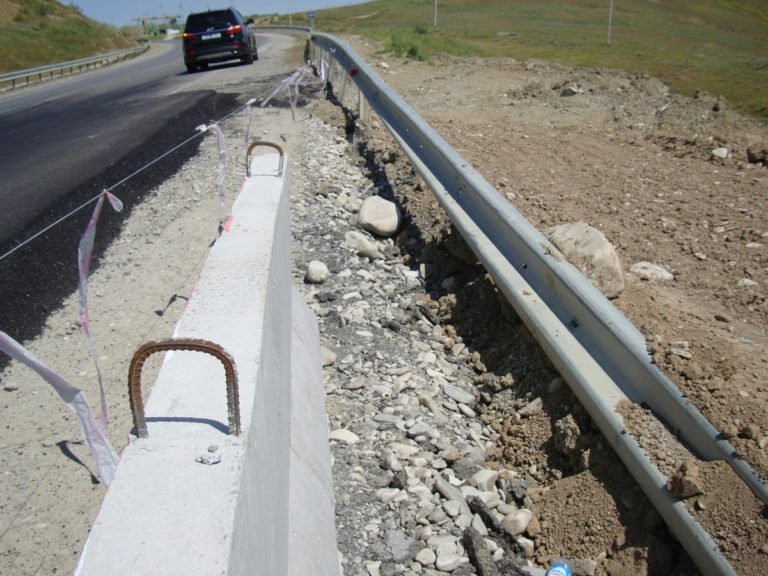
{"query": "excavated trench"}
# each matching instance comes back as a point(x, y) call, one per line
point(583, 498)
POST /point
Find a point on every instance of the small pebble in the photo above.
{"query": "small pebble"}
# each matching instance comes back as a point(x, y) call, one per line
point(209, 459)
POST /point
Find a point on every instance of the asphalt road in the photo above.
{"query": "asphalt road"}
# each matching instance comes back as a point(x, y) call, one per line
point(63, 141)
point(59, 135)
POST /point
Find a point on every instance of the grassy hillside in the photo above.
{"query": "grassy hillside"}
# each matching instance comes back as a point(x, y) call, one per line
point(37, 32)
point(720, 46)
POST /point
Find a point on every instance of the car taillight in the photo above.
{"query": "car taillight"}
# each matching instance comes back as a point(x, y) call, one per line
point(234, 29)
point(188, 36)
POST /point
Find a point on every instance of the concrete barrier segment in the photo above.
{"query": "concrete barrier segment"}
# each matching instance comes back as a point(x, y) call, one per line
point(259, 541)
point(263, 504)
point(312, 537)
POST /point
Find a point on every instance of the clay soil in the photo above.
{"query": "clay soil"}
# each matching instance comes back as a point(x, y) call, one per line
point(627, 156)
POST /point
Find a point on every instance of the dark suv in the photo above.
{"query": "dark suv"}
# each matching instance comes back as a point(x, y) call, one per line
point(217, 36)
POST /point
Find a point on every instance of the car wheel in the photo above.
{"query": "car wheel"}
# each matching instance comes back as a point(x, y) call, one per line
point(191, 68)
point(247, 59)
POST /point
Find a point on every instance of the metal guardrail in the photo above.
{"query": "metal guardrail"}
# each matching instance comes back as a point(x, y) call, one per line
point(291, 29)
point(49, 71)
point(597, 350)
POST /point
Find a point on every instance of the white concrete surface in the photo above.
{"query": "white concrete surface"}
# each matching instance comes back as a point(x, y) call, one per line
point(312, 506)
point(267, 507)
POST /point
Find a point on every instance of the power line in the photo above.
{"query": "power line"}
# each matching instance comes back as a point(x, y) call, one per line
point(133, 175)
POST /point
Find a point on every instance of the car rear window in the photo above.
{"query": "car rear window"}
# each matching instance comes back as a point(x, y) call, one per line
point(210, 20)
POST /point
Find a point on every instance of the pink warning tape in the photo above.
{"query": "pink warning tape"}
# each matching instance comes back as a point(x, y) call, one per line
point(291, 85)
point(249, 117)
point(101, 450)
point(84, 256)
point(222, 156)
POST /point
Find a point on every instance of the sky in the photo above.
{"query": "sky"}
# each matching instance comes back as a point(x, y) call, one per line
point(122, 12)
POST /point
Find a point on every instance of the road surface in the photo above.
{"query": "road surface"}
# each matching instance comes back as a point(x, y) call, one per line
point(63, 141)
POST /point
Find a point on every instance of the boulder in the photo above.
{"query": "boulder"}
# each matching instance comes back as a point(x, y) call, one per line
point(362, 245)
point(317, 272)
point(758, 154)
point(590, 251)
point(686, 482)
point(651, 272)
point(570, 91)
point(721, 153)
point(517, 522)
point(379, 216)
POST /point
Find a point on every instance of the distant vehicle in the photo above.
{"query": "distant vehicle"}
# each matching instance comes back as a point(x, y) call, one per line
point(217, 36)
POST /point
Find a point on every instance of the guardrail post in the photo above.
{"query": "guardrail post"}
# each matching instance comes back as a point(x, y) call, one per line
point(344, 81)
point(362, 108)
point(319, 59)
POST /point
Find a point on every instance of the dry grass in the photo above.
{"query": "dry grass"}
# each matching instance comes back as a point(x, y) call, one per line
point(718, 46)
point(38, 32)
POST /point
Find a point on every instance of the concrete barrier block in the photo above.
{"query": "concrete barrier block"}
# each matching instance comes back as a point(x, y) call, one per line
point(256, 511)
point(312, 507)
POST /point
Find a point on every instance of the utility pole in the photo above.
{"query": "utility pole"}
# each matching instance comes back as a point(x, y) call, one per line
point(435, 13)
point(610, 21)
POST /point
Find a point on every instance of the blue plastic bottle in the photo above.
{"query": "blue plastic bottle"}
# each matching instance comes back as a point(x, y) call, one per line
point(560, 567)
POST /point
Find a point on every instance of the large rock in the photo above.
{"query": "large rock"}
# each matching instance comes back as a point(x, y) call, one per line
point(517, 522)
point(362, 244)
point(327, 356)
point(720, 153)
point(317, 272)
point(589, 250)
point(758, 154)
point(379, 216)
point(651, 272)
point(458, 247)
point(686, 482)
point(344, 436)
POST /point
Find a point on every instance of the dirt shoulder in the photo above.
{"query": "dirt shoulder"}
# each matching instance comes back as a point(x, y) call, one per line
point(643, 165)
point(49, 492)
